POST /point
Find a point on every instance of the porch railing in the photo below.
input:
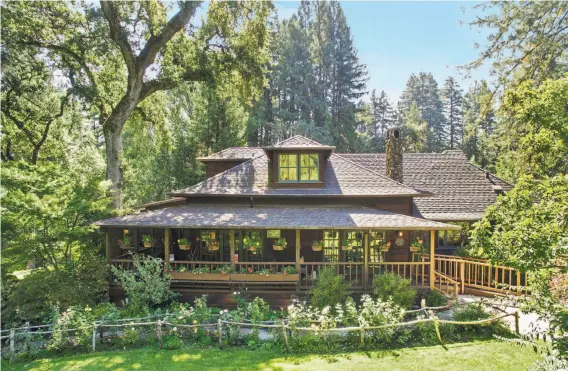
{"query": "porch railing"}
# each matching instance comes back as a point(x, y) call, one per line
point(446, 285)
point(416, 272)
point(352, 271)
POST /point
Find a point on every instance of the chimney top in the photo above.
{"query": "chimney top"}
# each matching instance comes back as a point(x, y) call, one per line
point(394, 155)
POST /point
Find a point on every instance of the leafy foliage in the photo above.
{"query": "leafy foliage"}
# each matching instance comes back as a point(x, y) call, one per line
point(329, 289)
point(147, 284)
point(391, 286)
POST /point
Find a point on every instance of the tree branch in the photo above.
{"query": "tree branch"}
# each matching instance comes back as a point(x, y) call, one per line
point(119, 36)
point(157, 42)
point(155, 85)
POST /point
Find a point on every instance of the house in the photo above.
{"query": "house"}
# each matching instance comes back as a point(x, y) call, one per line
point(365, 210)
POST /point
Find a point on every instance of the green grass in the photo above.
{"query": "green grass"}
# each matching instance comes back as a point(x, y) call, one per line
point(490, 355)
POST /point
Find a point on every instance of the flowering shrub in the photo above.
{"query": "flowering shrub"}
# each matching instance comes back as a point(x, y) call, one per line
point(72, 318)
point(148, 283)
point(390, 286)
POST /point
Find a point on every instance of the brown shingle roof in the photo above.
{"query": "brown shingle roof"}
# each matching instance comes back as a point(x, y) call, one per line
point(462, 191)
point(274, 217)
point(233, 153)
point(299, 142)
point(342, 177)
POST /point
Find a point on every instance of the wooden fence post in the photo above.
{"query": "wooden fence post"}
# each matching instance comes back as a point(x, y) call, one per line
point(27, 337)
point(220, 332)
point(159, 332)
point(12, 345)
point(285, 334)
point(94, 336)
point(517, 328)
point(362, 336)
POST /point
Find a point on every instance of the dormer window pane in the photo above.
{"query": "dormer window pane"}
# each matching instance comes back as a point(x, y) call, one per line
point(288, 167)
point(309, 167)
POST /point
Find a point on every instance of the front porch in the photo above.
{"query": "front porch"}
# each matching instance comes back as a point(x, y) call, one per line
point(246, 258)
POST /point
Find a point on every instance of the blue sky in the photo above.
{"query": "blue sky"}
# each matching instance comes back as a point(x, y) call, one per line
point(395, 39)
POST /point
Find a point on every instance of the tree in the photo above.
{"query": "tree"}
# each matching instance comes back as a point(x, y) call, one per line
point(422, 90)
point(452, 100)
point(480, 125)
point(529, 40)
point(533, 131)
point(527, 229)
point(118, 56)
point(415, 131)
point(31, 105)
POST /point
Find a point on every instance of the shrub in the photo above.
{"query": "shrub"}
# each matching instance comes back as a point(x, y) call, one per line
point(79, 283)
point(435, 299)
point(148, 283)
point(329, 289)
point(390, 286)
point(172, 342)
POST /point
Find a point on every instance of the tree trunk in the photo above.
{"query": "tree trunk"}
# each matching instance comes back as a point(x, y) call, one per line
point(113, 143)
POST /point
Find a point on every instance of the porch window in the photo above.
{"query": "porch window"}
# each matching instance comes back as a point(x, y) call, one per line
point(298, 167)
point(356, 252)
point(376, 238)
point(331, 246)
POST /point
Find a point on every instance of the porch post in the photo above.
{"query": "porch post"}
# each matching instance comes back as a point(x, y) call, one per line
point(432, 261)
point(298, 250)
point(366, 261)
point(107, 245)
point(232, 247)
point(167, 246)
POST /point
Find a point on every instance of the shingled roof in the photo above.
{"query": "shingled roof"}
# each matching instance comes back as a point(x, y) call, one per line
point(299, 142)
point(461, 190)
point(342, 177)
point(233, 153)
point(274, 217)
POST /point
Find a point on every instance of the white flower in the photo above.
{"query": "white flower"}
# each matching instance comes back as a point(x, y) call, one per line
point(175, 329)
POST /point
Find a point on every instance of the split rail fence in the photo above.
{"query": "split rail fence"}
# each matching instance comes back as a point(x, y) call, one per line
point(220, 327)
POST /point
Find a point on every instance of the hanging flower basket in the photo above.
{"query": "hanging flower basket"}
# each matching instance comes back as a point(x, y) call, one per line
point(417, 245)
point(384, 246)
point(147, 240)
point(280, 244)
point(251, 248)
point(346, 245)
point(125, 243)
point(213, 246)
point(184, 244)
point(317, 246)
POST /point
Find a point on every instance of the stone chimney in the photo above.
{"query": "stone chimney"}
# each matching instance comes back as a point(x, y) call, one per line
point(394, 155)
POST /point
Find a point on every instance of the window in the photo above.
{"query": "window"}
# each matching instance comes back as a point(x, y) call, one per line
point(356, 253)
point(376, 239)
point(288, 168)
point(331, 246)
point(298, 167)
point(309, 167)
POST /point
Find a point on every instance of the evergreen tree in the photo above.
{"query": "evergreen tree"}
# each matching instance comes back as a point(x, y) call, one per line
point(479, 125)
point(452, 99)
point(422, 90)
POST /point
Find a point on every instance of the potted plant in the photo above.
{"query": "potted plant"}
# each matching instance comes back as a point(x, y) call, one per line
point(125, 243)
point(384, 246)
point(148, 240)
point(280, 244)
point(417, 245)
point(203, 274)
point(317, 245)
point(346, 245)
point(213, 245)
point(250, 244)
point(288, 274)
point(184, 244)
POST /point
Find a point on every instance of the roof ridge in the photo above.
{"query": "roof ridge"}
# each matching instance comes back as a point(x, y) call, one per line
point(299, 136)
point(375, 173)
point(227, 149)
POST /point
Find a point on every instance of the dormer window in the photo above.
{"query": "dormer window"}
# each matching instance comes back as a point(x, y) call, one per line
point(298, 167)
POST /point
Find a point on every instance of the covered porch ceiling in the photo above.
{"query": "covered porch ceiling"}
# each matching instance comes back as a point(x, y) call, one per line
point(273, 217)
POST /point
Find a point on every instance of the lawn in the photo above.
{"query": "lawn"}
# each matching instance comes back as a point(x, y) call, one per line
point(490, 355)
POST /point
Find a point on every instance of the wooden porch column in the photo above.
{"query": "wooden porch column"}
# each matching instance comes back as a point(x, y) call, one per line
point(366, 261)
point(232, 247)
point(167, 246)
point(107, 245)
point(432, 261)
point(298, 250)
